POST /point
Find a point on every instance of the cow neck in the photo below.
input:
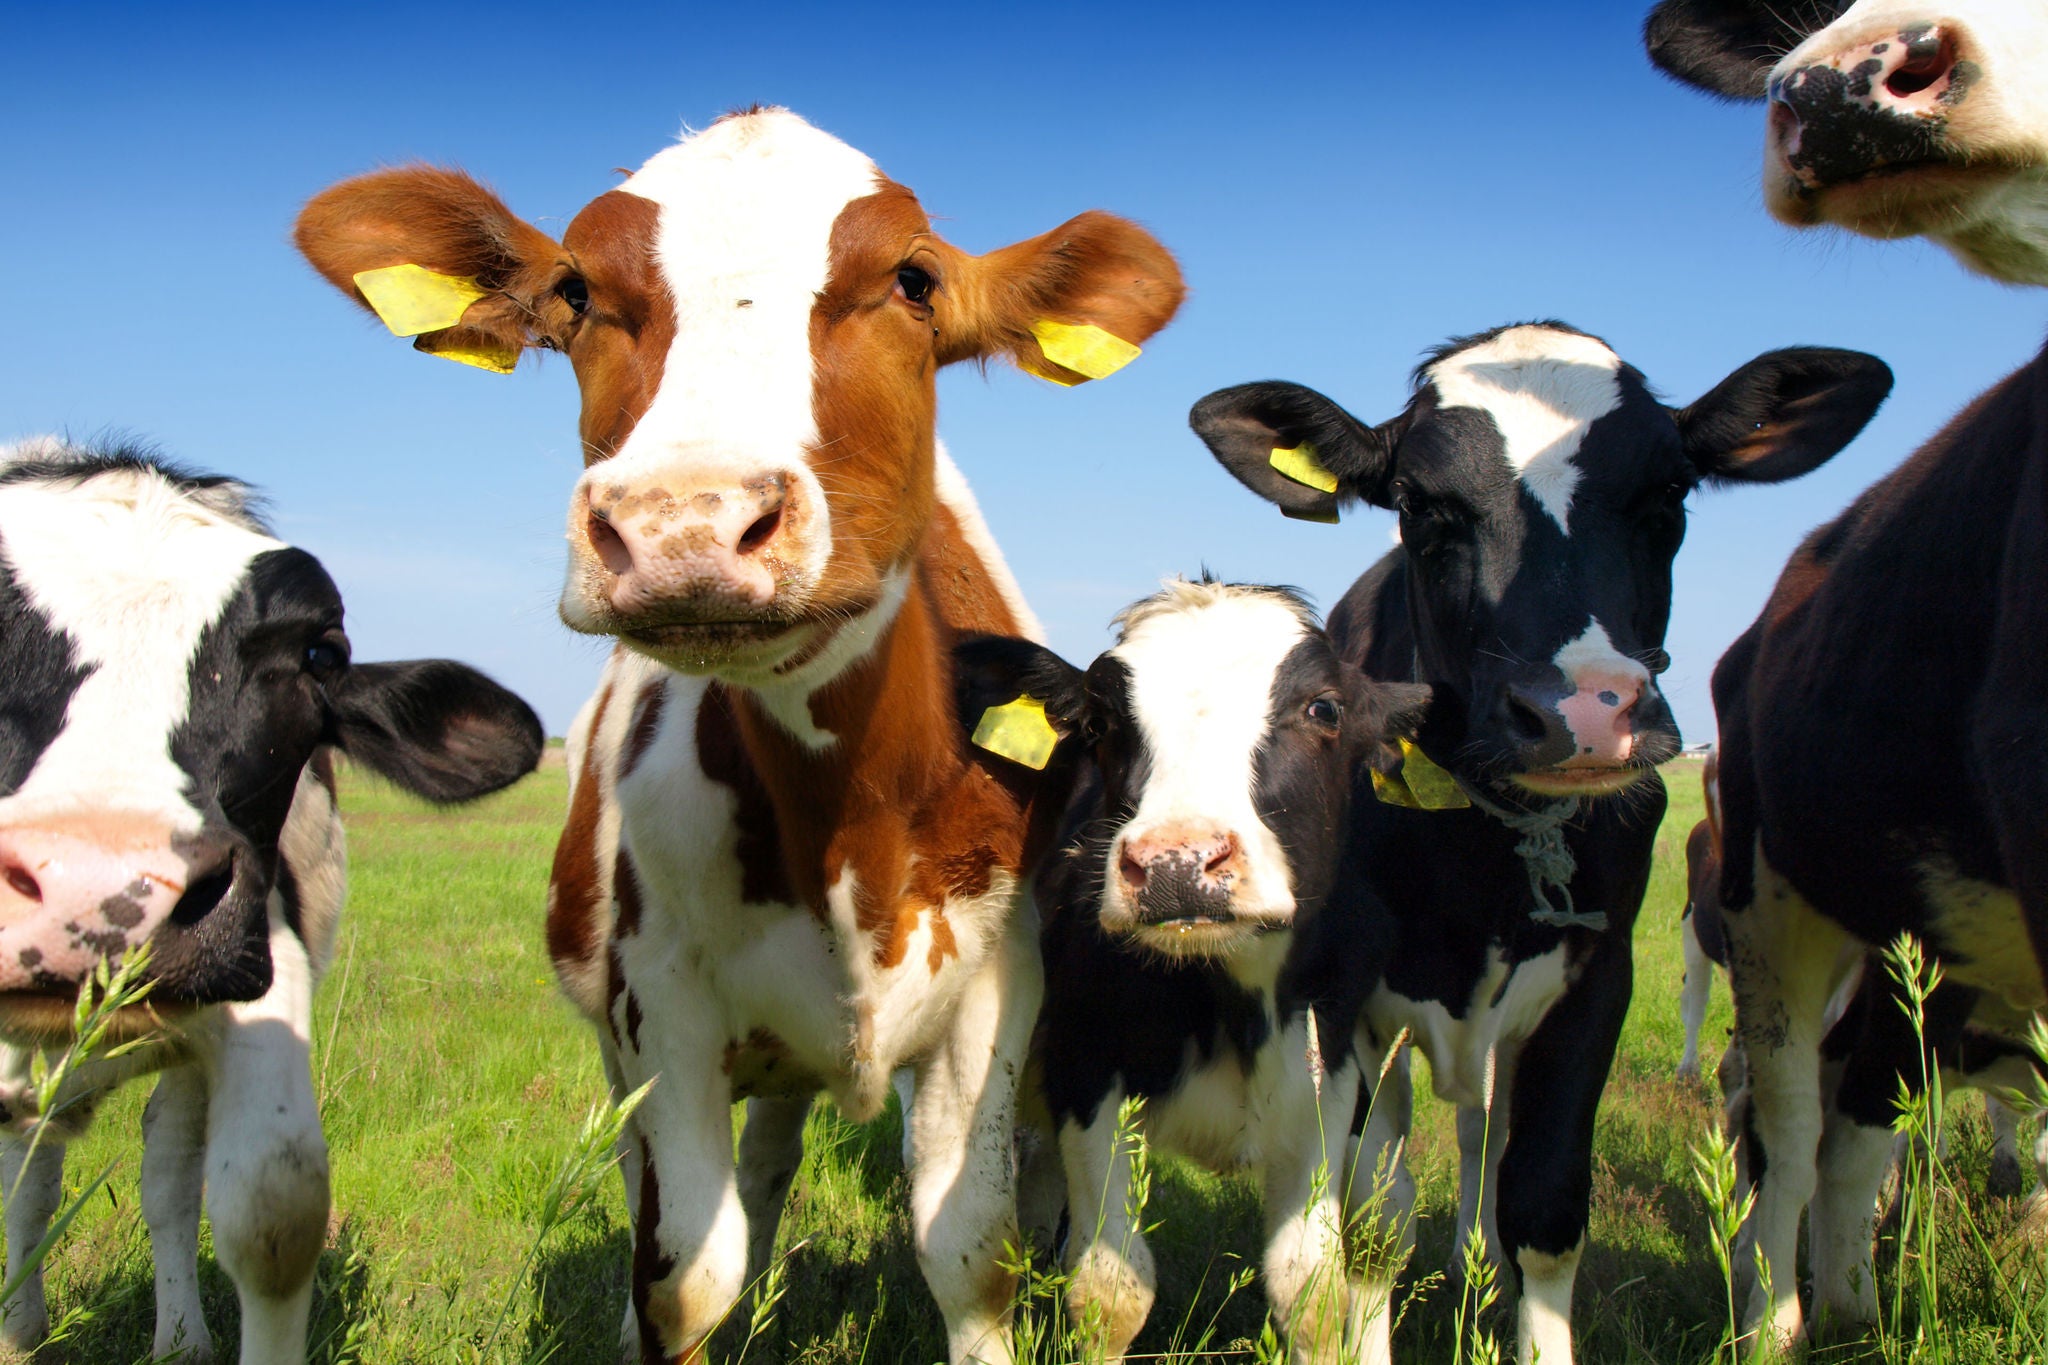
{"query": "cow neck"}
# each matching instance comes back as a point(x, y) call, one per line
point(891, 749)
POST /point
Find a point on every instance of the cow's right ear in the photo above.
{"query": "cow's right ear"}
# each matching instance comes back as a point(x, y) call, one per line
point(437, 257)
point(1728, 47)
point(1383, 715)
point(435, 727)
point(995, 672)
point(1295, 448)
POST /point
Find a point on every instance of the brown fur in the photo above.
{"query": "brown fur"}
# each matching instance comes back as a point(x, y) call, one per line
point(577, 898)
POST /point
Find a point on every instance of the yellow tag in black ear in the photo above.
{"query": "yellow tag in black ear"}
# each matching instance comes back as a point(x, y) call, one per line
point(1082, 347)
point(1420, 784)
point(413, 299)
point(1018, 731)
point(1300, 464)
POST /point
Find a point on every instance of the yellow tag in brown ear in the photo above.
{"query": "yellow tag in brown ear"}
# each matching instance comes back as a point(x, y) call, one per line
point(496, 359)
point(1300, 464)
point(413, 299)
point(1420, 784)
point(1082, 347)
point(1018, 731)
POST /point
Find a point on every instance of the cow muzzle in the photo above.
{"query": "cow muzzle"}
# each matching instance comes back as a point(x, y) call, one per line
point(1590, 737)
point(1180, 889)
point(78, 891)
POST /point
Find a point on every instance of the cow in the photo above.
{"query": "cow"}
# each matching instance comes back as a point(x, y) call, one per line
point(1541, 489)
point(1916, 615)
point(1194, 957)
point(783, 869)
point(174, 685)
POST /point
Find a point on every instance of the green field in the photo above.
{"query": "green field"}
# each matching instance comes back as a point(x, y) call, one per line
point(453, 1080)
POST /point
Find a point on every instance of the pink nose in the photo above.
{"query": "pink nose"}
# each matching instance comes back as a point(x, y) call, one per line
point(714, 548)
point(1598, 717)
point(71, 894)
point(1211, 854)
point(1848, 111)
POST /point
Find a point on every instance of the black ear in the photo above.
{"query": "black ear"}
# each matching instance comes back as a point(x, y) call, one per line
point(1382, 715)
point(1728, 47)
point(1782, 414)
point(435, 727)
point(1243, 426)
point(993, 670)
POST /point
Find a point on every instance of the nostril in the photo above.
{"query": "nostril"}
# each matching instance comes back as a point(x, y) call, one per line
point(610, 548)
point(758, 534)
point(1221, 855)
point(24, 884)
point(202, 895)
point(1131, 870)
point(1927, 62)
point(1527, 719)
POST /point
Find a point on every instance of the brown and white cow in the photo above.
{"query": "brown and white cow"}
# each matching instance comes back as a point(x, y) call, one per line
point(1884, 722)
point(783, 869)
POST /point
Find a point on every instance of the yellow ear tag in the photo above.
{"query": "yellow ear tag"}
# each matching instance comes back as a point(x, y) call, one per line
point(496, 359)
point(1082, 347)
point(413, 299)
point(1420, 785)
point(1300, 464)
point(1018, 731)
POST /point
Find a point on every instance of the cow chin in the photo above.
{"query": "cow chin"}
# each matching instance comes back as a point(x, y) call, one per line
point(1990, 216)
point(1204, 934)
point(1586, 782)
point(49, 1019)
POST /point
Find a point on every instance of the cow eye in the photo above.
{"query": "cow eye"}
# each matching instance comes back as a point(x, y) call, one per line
point(1326, 711)
point(574, 290)
point(915, 284)
point(326, 656)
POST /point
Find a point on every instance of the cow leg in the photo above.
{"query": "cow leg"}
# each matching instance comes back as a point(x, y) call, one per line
point(1785, 963)
point(1545, 1176)
point(33, 1187)
point(1303, 1198)
point(1693, 997)
point(1482, 1138)
point(963, 1194)
point(1380, 1189)
point(1852, 1162)
point(266, 1158)
point(173, 1178)
point(771, 1149)
point(1110, 1273)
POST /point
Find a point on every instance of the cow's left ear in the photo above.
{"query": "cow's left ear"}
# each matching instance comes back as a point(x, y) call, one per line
point(1382, 714)
point(996, 681)
point(437, 728)
point(1728, 47)
point(1069, 306)
point(1297, 449)
point(1782, 414)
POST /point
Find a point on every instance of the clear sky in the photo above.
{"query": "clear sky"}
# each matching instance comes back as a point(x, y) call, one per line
point(1344, 185)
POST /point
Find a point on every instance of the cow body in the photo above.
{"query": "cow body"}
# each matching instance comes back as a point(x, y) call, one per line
point(1918, 614)
point(1541, 491)
point(176, 681)
point(1194, 958)
point(783, 869)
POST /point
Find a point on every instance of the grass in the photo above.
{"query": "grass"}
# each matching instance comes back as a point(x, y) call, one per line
point(455, 1084)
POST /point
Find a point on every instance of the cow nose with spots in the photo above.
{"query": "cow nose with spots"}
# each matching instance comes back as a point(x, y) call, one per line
point(1180, 871)
point(1593, 725)
point(1881, 101)
point(717, 548)
point(74, 892)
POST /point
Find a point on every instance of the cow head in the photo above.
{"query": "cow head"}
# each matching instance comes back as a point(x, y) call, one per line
point(167, 670)
point(755, 318)
point(1227, 735)
point(1541, 488)
point(1892, 118)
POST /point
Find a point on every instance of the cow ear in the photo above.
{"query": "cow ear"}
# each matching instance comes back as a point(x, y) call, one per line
point(1383, 714)
point(437, 257)
point(1072, 305)
point(1295, 448)
point(1728, 47)
point(1782, 414)
point(437, 728)
point(992, 672)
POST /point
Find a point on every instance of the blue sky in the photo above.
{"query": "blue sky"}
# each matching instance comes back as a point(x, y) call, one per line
point(1344, 185)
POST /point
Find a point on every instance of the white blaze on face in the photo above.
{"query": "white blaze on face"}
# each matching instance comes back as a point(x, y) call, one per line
point(93, 561)
point(747, 208)
point(1544, 390)
point(1201, 675)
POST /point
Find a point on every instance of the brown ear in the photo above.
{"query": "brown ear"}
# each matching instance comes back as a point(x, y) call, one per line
point(444, 222)
point(1096, 271)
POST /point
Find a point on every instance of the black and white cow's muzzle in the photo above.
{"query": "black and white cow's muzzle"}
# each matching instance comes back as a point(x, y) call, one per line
point(1191, 889)
point(1592, 732)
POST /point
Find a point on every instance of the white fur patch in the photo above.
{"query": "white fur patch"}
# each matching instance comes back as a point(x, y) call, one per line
point(1201, 683)
point(1593, 651)
point(92, 559)
point(1544, 389)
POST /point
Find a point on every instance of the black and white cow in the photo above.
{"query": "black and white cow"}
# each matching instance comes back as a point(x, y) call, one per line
point(1194, 956)
point(1541, 489)
point(1917, 615)
point(173, 680)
